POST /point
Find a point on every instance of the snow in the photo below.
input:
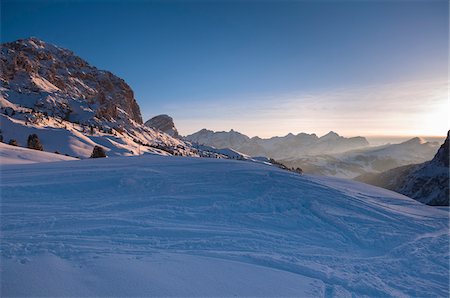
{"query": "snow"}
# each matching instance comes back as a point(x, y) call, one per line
point(176, 226)
point(75, 140)
point(43, 84)
point(154, 275)
point(18, 155)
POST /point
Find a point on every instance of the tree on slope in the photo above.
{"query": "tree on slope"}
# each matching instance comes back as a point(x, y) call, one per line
point(34, 142)
point(98, 152)
point(13, 142)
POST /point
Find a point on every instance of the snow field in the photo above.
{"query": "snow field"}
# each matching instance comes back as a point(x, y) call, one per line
point(214, 228)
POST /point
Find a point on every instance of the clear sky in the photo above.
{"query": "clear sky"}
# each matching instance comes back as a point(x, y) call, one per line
point(262, 67)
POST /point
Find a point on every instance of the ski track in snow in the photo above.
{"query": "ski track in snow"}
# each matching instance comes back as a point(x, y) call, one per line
point(339, 237)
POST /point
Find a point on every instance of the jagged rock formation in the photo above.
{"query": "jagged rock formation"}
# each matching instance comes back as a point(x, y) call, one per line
point(55, 81)
point(442, 156)
point(163, 123)
point(289, 146)
point(72, 106)
point(427, 182)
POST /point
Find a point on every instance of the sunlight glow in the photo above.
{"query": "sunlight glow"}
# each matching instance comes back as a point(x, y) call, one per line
point(414, 108)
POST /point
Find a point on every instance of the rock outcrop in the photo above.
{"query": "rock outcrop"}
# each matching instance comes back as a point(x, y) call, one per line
point(55, 81)
point(163, 123)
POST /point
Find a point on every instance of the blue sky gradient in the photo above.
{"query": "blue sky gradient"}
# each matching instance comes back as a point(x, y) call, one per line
point(224, 65)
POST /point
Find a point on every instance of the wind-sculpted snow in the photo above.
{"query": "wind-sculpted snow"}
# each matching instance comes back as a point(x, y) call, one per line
point(192, 226)
point(18, 155)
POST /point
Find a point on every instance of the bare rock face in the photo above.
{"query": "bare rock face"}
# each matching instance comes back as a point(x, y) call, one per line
point(47, 78)
point(163, 123)
point(442, 156)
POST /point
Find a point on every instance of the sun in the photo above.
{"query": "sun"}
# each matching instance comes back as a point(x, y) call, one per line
point(435, 121)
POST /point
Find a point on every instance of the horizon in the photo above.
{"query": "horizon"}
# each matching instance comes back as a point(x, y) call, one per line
point(380, 138)
point(222, 66)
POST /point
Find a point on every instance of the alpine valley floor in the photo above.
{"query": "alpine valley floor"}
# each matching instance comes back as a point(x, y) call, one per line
point(177, 226)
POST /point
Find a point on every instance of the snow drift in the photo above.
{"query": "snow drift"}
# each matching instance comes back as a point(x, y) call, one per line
point(155, 225)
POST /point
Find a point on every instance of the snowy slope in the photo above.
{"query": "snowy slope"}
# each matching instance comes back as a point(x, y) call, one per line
point(155, 225)
point(18, 155)
point(76, 140)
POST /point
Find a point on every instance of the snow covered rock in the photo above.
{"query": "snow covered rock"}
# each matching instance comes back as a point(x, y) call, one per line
point(50, 79)
point(163, 123)
point(72, 106)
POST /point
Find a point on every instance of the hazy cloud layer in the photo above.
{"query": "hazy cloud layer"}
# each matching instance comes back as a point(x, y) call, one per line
point(407, 108)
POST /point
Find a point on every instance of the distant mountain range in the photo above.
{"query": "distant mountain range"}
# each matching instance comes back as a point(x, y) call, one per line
point(330, 155)
point(427, 182)
point(377, 159)
point(289, 146)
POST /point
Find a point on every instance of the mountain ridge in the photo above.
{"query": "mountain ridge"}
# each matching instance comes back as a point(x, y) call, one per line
point(278, 147)
point(427, 182)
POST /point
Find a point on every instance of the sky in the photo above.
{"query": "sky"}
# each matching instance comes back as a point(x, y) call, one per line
point(263, 68)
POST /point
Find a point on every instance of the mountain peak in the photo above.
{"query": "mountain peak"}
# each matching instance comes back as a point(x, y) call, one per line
point(163, 123)
point(330, 136)
point(35, 44)
point(442, 156)
point(80, 92)
point(33, 40)
point(414, 141)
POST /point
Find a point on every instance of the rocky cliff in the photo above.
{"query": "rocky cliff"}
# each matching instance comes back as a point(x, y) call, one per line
point(163, 123)
point(55, 81)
